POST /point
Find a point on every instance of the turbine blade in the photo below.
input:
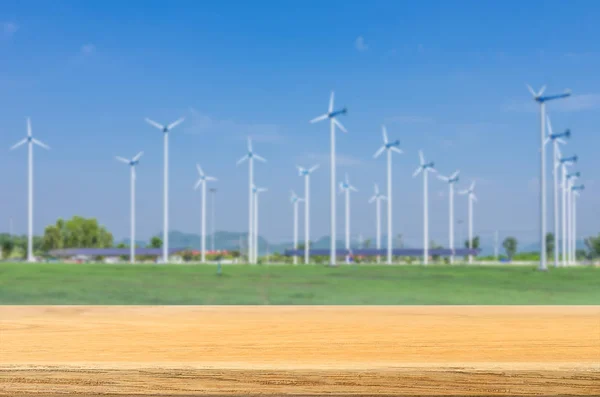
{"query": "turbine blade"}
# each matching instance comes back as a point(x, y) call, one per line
point(320, 118)
point(541, 92)
point(353, 188)
point(431, 169)
point(443, 178)
point(122, 160)
point(200, 171)
point(197, 185)
point(373, 198)
point(259, 158)
point(314, 168)
point(549, 124)
point(175, 124)
point(546, 141)
point(137, 156)
point(455, 174)
point(472, 186)
point(421, 157)
point(395, 149)
point(19, 144)
point(347, 179)
point(384, 132)
point(340, 126)
point(28, 126)
point(531, 90)
point(331, 102)
point(249, 144)
point(561, 141)
point(463, 192)
point(154, 123)
point(240, 161)
point(211, 178)
point(39, 143)
point(474, 198)
point(417, 172)
point(378, 152)
point(376, 190)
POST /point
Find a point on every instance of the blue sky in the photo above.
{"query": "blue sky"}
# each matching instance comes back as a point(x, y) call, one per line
point(445, 77)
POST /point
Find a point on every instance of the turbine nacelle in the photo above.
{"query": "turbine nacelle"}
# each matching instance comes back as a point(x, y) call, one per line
point(540, 98)
point(337, 113)
point(306, 171)
point(580, 187)
point(294, 198)
point(346, 186)
point(574, 175)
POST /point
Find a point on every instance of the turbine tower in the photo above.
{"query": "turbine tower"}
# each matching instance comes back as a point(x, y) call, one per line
point(30, 140)
point(250, 156)
point(571, 178)
point(472, 198)
point(390, 147)
point(346, 187)
point(425, 168)
point(256, 191)
point(333, 122)
point(203, 178)
point(132, 163)
point(539, 98)
point(451, 180)
point(295, 200)
point(563, 162)
point(306, 174)
point(165, 129)
point(376, 198)
point(556, 140)
point(575, 190)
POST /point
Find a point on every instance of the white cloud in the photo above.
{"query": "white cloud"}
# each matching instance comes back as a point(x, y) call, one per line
point(9, 28)
point(342, 160)
point(198, 123)
point(360, 44)
point(88, 49)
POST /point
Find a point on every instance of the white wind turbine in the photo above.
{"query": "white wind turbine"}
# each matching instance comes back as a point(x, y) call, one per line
point(571, 178)
point(376, 198)
point(539, 98)
point(556, 140)
point(563, 162)
point(425, 168)
point(295, 200)
point(331, 115)
point(30, 140)
point(165, 129)
point(250, 156)
point(203, 178)
point(472, 199)
point(451, 180)
point(575, 191)
point(346, 187)
point(256, 191)
point(390, 147)
point(306, 174)
point(132, 164)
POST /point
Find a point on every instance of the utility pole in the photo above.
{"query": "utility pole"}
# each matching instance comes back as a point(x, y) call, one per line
point(212, 219)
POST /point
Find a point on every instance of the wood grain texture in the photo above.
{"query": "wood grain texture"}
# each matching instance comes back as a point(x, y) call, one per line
point(394, 350)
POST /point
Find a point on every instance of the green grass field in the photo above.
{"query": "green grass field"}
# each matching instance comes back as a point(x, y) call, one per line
point(103, 284)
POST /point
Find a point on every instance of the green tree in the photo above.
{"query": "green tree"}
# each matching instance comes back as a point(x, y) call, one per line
point(77, 232)
point(7, 247)
point(510, 246)
point(475, 243)
point(549, 243)
point(156, 242)
point(367, 243)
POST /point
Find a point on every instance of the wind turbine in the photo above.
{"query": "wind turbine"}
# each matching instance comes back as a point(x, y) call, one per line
point(451, 180)
point(132, 163)
point(250, 156)
point(556, 140)
point(203, 178)
point(571, 178)
point(575, 190)
point(256, 191)
point(30, 140)
point(539, 98)
point(390, 147)
point(331, 115)
point(376, 198)
point(346, 187)
point(306, 174)
point(472, 198)
point(563, 162)
point(425, 168)
point(165, 129)
point(295, 200)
